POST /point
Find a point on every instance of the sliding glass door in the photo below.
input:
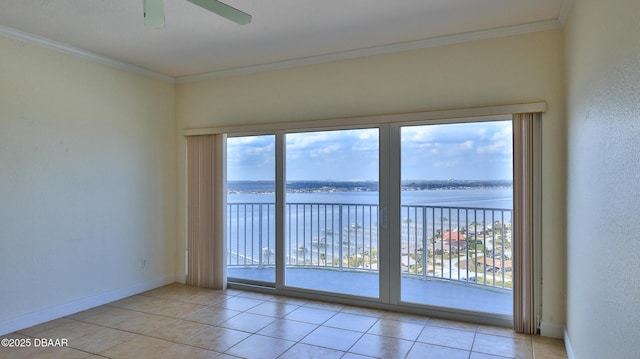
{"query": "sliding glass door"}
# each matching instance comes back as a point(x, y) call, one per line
point(331, 211)
point(455, 214)
point(251, 214)
point(399, 214)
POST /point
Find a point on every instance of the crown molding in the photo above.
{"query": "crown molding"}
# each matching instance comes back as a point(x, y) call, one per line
point(83, 54)
point(565, 9)
point(279, 65)
point(379, 50)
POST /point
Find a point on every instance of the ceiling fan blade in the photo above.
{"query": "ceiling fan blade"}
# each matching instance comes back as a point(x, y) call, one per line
point(153, 14)
point(224, 10)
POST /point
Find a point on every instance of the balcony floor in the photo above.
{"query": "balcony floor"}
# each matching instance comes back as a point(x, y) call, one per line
point(433, 292)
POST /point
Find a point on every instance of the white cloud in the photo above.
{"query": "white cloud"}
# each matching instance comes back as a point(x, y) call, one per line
point(368, 134)
point(452, 149)
point(467, 145)
point(268, 148)
point(250, 150)
point(302, 141)
point(497, 147)
point(450, 163)
point(323, 151)
point(500, 141)
point(504, 133)
point(243, 140)
point(417, 133)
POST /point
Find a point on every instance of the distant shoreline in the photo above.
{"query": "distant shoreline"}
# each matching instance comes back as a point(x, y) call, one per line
point(264, 187)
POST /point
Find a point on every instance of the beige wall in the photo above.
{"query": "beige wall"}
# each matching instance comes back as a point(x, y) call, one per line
point(603, 253)
point(508, 70)
point(87, 183)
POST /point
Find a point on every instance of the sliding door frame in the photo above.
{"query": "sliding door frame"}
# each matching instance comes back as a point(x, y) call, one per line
point(386, 220)
point(281, 178)
point(389, 198)
point(281, 184)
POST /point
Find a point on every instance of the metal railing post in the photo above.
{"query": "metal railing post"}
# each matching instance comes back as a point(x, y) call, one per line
point(260, 250)
point(340, 237)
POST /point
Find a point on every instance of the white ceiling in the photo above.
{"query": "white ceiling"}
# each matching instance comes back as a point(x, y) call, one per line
point(195, 41)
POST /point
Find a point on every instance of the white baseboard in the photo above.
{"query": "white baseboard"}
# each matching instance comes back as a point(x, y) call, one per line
point(25, 321)
point(552, 330)
point(180, 277)
point(568, 346)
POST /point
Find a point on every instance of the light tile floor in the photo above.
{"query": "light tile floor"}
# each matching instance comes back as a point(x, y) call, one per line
point(179, 321)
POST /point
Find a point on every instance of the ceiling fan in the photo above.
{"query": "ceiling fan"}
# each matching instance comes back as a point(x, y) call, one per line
point(154, 12)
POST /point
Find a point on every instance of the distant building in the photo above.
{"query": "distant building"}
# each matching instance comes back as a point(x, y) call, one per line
point(496, 264)
point(454, 239)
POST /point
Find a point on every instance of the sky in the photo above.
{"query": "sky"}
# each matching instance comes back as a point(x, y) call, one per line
point(470, 151)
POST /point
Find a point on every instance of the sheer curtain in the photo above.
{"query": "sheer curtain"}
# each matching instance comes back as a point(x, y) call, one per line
point(526, 221)
point(206, 247)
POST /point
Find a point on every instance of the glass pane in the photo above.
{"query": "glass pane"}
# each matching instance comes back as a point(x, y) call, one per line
point(251, 220)
point(456, 206)
point(331, 227)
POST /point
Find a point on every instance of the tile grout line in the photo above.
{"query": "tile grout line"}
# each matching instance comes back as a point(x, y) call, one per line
point(172, 297)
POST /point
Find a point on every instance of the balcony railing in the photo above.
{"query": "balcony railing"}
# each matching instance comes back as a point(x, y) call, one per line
point(471, 245)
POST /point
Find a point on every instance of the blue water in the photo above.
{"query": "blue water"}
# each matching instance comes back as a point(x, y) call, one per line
point(501, 198)
point(251, 228)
